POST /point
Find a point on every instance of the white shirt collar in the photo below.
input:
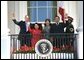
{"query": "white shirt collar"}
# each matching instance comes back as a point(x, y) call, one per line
point(57, 23)
point(27, 23)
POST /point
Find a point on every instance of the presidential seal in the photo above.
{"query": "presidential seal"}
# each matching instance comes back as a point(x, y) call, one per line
point(43, 47)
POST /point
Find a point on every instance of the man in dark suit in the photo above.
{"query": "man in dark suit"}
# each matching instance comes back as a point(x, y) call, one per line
point(24, 35)
point(57, 30)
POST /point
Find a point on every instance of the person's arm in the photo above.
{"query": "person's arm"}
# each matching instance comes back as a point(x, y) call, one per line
point(65, 23)
point(14, 20)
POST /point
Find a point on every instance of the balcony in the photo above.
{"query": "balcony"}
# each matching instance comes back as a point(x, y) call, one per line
point(64, 47)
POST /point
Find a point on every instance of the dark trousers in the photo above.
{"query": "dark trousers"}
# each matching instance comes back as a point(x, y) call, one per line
point(25, 39)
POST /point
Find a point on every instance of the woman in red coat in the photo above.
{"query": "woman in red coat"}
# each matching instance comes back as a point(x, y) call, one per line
point(36, 34)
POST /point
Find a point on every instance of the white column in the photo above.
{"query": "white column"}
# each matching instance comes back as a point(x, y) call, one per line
point(5, 39)
point(80, 29)
point(11, 9)
point(17, 16)
point(22, 9)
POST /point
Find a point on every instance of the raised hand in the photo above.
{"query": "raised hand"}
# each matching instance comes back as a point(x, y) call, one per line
point(13, 15)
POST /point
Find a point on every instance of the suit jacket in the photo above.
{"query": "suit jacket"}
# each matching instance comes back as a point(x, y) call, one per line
point(22, 26)
point(57, 28)
point(54, 29)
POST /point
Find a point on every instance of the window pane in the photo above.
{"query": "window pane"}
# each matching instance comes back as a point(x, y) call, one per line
point(33, 15)
point(42, 3)
point(54, 13)
point(49, 3)
point(32, 3)
point(42, 14)
point(55, 3)
point(28, 10)
point(39, 14)
point(50, 13)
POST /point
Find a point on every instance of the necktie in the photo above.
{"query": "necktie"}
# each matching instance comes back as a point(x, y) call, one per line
point(56, 23)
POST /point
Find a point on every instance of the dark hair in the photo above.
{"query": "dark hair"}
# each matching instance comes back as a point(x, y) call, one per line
point(57, 16)
point(47, 20)
point(37, 24)
point(40, 26)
